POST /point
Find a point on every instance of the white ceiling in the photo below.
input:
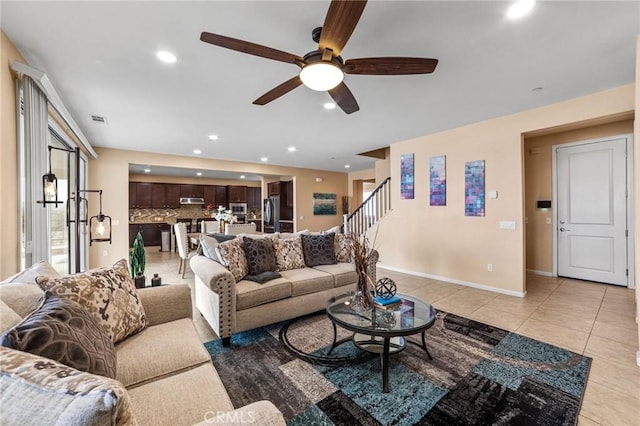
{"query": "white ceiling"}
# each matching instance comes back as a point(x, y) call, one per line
point(101, 58)
point(183, 172)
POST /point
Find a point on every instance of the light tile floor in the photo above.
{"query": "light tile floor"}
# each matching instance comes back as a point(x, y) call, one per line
point(596, 320)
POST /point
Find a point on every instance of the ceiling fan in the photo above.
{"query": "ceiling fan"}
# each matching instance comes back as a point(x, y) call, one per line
point(324, 69)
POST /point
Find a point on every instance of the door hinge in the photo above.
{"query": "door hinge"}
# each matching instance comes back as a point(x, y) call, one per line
point(626, 233)
point(626, 271)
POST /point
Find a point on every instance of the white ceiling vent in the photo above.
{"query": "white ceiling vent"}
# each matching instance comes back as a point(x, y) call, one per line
point(99, 119)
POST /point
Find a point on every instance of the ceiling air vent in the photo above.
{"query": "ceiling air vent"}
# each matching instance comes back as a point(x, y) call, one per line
point(98, 119)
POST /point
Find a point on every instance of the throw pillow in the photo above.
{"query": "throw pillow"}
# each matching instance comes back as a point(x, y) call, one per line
point(30, 274)
point(39, 390)
point(289, 254)
point(342, 248)
point(232, 255)
point(64, 331)
point(263, 277)
point(107, 293)
point(318, 249)
point(260, 255)
point(208, 247)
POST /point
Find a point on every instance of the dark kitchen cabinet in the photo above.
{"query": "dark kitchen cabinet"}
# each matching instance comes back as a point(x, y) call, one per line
point(286, 200)
point(286, 226)
point(254, 199)
point(258, 223)
point(191, 191)
point(221, 196)
point(273, 188)
point(210, 195)
point(151, 233)
point(172, 195)
point(158, 196)
point(236, 194)
point(140, 195)
point(289, 194)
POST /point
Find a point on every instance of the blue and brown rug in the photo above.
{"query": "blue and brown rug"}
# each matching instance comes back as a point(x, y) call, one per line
point(479, 375)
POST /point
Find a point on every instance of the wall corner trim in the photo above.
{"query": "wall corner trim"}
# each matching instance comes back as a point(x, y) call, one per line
point(454, 281)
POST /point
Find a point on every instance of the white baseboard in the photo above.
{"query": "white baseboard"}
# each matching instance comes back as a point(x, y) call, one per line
point(454, 281)
point(536, 272)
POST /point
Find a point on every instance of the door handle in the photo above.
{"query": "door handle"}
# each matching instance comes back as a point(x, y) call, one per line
point(562, 222)
point(564, 229)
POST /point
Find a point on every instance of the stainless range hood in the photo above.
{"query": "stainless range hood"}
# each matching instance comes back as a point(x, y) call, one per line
point(185, 200)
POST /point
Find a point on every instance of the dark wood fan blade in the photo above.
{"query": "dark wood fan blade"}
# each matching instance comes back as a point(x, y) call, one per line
point(251, 48)
point(342, 18)
point(390, 66)
point(344, 98)
point(278, 91)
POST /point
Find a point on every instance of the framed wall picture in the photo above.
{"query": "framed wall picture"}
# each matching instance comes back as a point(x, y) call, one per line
point(474, 188)
point(324, 204)
point(406, 176)
point(437, 181)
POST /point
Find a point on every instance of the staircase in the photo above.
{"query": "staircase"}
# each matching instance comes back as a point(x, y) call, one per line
point(374, 208)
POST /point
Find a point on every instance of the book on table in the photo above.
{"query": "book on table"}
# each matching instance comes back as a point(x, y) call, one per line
point(387, 303)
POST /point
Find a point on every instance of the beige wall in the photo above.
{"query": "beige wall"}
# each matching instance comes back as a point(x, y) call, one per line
point(9, 248)
point(537, 154)
point(110, 172)
point(383, 167)
point(441, 241)
point(355, 186)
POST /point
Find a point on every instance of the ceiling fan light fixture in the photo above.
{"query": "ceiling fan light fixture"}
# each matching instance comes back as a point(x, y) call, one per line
point(321, 76)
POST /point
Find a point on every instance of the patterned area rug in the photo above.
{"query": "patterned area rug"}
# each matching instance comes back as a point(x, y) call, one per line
point(479, 375)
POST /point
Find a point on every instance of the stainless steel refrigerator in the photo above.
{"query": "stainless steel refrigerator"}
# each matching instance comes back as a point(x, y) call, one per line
point(271, 214)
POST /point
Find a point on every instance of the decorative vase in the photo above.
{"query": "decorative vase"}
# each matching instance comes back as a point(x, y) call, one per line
point(140, 280)
point(362, 299)
point(223, 226)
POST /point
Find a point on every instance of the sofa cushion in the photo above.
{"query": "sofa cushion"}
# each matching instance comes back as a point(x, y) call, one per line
point(183, 399)
point(64, 331)
point(8, 317)
point(158, 351)
point(22, 298)
point(250, 294)
point(289, 254)
point(318, 249)
point(343, 273)
point(342, 248)
point(308, 280)
point(36, 389)
point(107, 293)
point(260, 255)
point(30, 274)
point(233, 257)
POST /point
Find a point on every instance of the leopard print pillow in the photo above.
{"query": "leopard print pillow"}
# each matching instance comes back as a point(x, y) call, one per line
point(232, 254)
point(107, 293)
point(342, 248)
point(289, 254)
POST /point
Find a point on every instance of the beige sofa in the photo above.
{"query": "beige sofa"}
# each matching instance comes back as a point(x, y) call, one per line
point(231, 307)
point(167, 373)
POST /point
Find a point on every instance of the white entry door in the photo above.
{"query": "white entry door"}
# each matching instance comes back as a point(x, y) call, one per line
point(592, 211)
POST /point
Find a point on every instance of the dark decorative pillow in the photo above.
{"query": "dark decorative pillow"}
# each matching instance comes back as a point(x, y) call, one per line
point(64, 331)
point(260, 255)
point(263, 277)
point(318, 249)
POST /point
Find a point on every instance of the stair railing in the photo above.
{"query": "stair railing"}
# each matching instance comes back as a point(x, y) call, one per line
point(374, 208)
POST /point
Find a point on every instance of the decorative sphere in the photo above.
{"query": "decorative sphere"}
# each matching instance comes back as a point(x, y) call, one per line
point(386, 288)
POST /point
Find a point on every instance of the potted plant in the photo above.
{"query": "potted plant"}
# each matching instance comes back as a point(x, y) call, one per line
point(137, 261)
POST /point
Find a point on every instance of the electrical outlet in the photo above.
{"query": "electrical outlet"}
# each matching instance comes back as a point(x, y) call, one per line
point(507, 224)
point(548, 221)
point(490, 267)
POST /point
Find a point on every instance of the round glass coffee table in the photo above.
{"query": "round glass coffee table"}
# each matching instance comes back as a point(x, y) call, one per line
point(381, 330)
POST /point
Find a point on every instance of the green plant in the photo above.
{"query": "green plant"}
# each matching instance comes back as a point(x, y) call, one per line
point(137, 257)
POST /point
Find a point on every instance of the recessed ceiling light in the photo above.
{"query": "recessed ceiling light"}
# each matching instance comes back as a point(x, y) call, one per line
point(264, 159)
point(346, 166)
point(147, 170)
point(166, 57)
point(520, 8)
point(197, 151)
point(291, 149)
point(213, 137)
point(329, 105)
point(199, 174)
point(242, 176)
